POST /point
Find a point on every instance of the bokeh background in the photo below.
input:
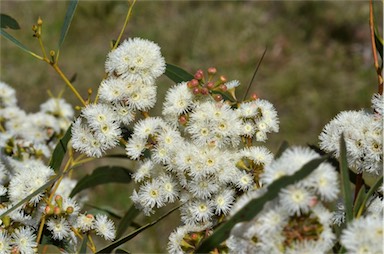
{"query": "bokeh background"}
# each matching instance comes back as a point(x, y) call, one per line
point(318, 60)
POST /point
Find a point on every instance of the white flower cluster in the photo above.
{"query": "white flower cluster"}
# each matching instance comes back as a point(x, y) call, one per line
point(363, 133)
point(296, 221)
point(200, 153)
point(27, 135)
point(26, 142)
point(132, 70)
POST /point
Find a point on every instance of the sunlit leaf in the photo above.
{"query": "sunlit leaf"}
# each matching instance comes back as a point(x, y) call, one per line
point(251, 209)
point(103, 175)
point(7, 21)
point(176, 74)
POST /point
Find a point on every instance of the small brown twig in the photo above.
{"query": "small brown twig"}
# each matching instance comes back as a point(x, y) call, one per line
point(374, 49)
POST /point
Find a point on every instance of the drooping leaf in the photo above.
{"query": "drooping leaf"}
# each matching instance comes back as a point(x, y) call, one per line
point(176, 74)
point(345, 184)
point(67, 21)
point(16, 42)
point(253, 207)
point(128, 237)
point(127, 220)
point(60, 150)
point(7, 21)
point(103, 175)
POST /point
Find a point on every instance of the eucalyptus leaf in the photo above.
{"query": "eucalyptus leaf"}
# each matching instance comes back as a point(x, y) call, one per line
point(176, 74)
point(15, 41)
point(67, 21)
point(83, 247)
point(127, 220)
point(345, 184)
point(103, 175)
point(60, 150)
point(7, 21)
point(128, 237)
point(253, 207)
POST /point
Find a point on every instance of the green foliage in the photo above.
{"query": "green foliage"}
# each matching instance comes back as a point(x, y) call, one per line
point(127, 220)
point(60, 150)
point(250, 210)
point(67, 21)
point(345, 184)
point(7, 21)
point(176, 74)
point(103, 175)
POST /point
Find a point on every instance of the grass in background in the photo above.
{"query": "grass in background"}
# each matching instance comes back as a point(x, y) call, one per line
point(318, 59)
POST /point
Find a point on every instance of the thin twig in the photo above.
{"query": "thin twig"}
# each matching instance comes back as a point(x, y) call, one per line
point(254, 74)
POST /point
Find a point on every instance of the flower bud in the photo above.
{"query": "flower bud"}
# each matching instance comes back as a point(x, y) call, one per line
point(59, 201)
point(196, 91)
point(69, 210)
point(39, 21)
point(183, 120)
point(198, 75)
point(254, 97)
point(223, 79)
point(56, 210)
point(193, 83)
point(212, 70)
point(223, 87)
point(218, 97)
point(48, 210)
point(210, 85)
point(204, 91)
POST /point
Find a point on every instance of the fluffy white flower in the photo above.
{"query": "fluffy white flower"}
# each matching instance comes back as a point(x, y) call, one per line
point(24, 240)
point(7, 95)
point(104, 227)
point(178, 100)
point(136, 59)
point(59, 227)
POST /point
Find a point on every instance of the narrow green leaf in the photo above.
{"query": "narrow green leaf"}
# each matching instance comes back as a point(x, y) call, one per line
point(7, 21)
point(121, 251)
point(67, 21)
point(97, 209)
point(16, 42)
point(83, 247)
point(225, 97)
point(176, 74)
point(127, 220)
point(60, 150)
point(345, 184)
point(251, 209)
point(103, 175)
point(26, 199)
point(128, 237)
point(359, 200)
point(369, 194)
point(379, 44)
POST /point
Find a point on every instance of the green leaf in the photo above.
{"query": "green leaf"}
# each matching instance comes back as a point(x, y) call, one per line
point(368, 195)
point(225, 97)
point(16, 42)
point(253, 207)
point(7, 21)
point(106, 210)
point(127, 220)
point(67, 21)
point(26, 199)
point(103, 175)
point(121, 251)
point(176, 74)
point(60, 150)
point(128, 237)
point(379, 44)
point(83, 248)
point(359, 200)
point(345, 184)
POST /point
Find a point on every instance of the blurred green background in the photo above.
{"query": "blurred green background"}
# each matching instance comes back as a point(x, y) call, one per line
point(318, 60)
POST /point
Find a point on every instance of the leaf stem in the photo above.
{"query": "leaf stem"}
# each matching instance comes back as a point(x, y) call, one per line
point(125, 25)
point(68, 83)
